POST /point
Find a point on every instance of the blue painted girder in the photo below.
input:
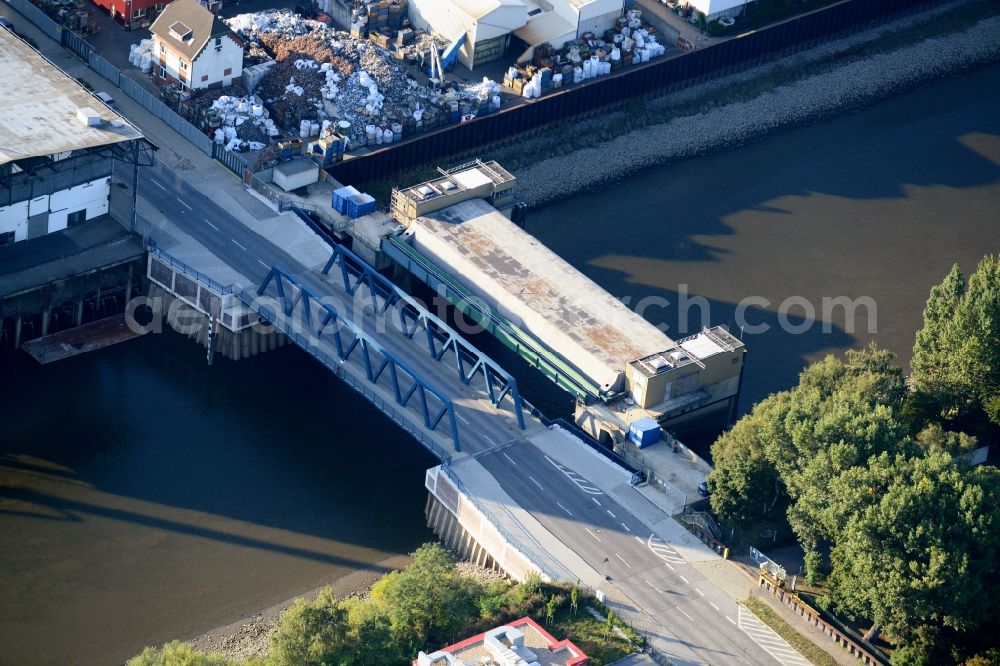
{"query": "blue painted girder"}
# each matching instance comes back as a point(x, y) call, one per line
point(470, 363)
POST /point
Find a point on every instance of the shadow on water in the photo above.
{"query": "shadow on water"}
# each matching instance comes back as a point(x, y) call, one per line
point(177, 496)
point(879, 203)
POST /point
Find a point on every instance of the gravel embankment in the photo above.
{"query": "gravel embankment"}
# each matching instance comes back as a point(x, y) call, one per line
point(833, 90)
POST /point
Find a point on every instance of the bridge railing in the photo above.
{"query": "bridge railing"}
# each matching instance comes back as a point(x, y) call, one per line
point(441, 338)
point(334, 365)
point(321, 321)
point(178, 265)
point(494, 322)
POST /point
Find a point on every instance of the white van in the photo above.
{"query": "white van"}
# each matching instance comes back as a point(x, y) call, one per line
point(105, 97)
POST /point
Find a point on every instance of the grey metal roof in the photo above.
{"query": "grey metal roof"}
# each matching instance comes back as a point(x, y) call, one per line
point(38, 109)
point(181, 16)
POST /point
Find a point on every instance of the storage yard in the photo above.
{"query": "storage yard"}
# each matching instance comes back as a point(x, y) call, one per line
point(377, 84)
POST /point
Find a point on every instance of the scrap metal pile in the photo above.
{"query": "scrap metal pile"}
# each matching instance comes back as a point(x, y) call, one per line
point(370, 93)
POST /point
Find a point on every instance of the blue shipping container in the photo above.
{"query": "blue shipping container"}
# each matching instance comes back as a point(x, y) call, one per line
point(360, 204)
point(341, 197)
point(644, 432)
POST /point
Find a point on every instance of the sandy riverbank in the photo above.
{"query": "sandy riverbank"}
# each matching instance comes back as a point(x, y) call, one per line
point(248, 637)
point(828, 80)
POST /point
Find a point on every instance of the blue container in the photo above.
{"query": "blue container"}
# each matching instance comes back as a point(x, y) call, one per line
point(360, 204)
point(644, 432)
point(341, 197)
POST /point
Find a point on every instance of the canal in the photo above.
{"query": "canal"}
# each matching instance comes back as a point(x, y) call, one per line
point(145, 496)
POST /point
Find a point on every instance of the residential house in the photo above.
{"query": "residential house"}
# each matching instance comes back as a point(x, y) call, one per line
point(193, 48)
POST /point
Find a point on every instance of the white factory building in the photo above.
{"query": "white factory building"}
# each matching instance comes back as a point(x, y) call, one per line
point(489, 24)
point(57, 146)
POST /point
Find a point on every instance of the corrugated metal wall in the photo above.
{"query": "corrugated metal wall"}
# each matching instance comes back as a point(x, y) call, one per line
point(659, 76)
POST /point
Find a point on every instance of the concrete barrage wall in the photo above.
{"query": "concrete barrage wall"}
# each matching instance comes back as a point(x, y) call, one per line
point(456, 520)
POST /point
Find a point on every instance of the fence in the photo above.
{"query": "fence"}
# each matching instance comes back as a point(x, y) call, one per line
point(104, 68)
point(76, 44)
point(38, 18)
point(176, 264)
point(812, 616)
point(657, 77)
point(231, 160)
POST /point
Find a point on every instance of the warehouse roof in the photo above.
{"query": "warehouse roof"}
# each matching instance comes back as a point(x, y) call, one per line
point(38, 110)
point(537, 290)
point(545, 28)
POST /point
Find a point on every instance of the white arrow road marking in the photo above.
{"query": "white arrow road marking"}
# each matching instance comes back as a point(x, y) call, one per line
point(663, 551)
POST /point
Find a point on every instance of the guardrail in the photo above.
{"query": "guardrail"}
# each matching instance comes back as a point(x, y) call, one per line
point(813, 617)
point(176, 264)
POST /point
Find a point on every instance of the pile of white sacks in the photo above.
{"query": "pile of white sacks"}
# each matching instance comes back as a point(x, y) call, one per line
point(141, 55)
point(235, 112)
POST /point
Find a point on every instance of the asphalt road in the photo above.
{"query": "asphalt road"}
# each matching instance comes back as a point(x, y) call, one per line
point(695, 620)
point(682, 606)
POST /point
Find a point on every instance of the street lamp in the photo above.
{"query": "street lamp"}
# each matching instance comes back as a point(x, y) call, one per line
point(606, 560)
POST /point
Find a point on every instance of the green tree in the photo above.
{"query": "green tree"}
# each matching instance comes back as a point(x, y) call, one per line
point(745, 484)
point(312, 633)
point(177, 654)
point(574, 596)
point(956, 355)
point(429, 603)
point(370, 636)
point(550, 609)
point(609, 626)
point(917, 542)
point(795, 442)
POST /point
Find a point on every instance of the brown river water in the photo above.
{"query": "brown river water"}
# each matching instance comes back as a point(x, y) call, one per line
point(145, 496)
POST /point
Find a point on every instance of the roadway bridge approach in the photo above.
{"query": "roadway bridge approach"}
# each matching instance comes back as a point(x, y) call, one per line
point(544, 500)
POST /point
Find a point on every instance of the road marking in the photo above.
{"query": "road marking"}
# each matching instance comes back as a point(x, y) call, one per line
point(730, 619)
point(713, 606)
point(611, 514)
point(700, 593)
point(685, 614)
point(593, 535)
point(509, 458)
point(580, 482)
point(639, 539)
point(595, 501)
point(489, 440)
point(238, 245)
point(263, 264)
point(669, 566)
point(767, 639)
point(210, 224)
point(183, 204)
point(623, 560)
point(462, 417)
point(652, 586)
point(684, 579)
point(626, 527)
point(535, 482)
point(565, 509)
point(663, 551)
point(155, 182)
